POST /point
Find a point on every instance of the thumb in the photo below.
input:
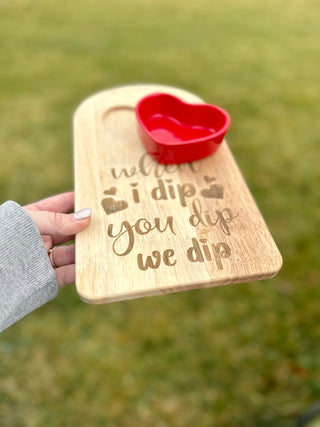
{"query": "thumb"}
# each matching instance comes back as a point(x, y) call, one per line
point(55, 223)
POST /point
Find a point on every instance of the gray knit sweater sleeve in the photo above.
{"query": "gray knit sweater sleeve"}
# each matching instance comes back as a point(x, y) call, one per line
point(27, 279)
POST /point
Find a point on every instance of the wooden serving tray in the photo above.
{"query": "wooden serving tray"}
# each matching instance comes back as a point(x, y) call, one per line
point(157, 229)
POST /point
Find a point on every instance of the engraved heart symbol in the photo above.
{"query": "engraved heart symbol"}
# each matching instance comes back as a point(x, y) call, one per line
point(214, 192)
point(111, 191)
point(111, 206)
point(173, 131)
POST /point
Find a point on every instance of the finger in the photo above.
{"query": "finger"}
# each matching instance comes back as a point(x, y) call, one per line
point(66, 275)
point(50, 241)
point(63, 202)
point(47, 241)
point(63, 255)
point(54, 223)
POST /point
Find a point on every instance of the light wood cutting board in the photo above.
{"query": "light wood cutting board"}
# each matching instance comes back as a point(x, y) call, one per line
point(157, 229)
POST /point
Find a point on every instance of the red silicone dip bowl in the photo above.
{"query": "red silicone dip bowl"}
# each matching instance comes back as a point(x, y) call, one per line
point(173, 131)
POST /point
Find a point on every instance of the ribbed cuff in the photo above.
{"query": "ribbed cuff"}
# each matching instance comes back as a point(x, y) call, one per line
point(27, 279)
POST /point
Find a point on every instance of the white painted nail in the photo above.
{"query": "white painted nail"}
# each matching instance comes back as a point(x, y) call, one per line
point(82, 214)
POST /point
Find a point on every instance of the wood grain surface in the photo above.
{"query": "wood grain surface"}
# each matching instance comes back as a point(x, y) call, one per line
point(157, 229)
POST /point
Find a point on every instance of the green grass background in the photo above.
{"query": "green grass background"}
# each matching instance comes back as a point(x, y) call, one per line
point(244, 355)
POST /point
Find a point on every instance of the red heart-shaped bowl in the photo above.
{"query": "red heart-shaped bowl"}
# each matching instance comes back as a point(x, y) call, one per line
point(173, 131)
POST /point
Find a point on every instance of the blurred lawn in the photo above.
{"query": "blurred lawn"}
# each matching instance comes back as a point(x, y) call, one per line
point(245, 355)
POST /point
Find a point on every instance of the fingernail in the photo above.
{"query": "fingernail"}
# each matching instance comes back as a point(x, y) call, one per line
point(82, 214)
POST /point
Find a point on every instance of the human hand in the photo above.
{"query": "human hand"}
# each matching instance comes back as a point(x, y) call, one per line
point(56, 225)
